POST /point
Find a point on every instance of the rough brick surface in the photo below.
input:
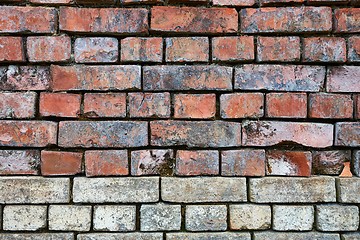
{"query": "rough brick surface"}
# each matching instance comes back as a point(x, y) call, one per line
point(233, 48)
point(347, 20)
point(96, 49)
point(114, 218)
point(60, 104)
point(149, 105)
point(354, 49)
point(347, 134)
point(330, 162)
point(337, 218)
point(347, 188)
point(330, 106)
point(242, 105)
point(296, 236)
point(187, 49)
point(141, 49)
point(49, 49)
point(69, 218)
point(325, 49)
point(152, 162)
point(60, 163)
point(98, 105)
point(208, 235)
point(293, 218)
point(106, 163)
point(206, 218)
point(343, 79)
point(194, 105)
point(250, 217)
point(11, 49)
point(160, 217)
point(273, 49)
point(193, 163)
point(16, 162)
point(286, 105)
point(124, 236)
point(24, 218)
point(17, 105)
point(246, 162)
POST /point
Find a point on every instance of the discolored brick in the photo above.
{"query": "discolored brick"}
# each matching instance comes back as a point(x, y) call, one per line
point(114, 218)
point(97, 105)
point(106, 163)
point(34, 236)
point(49, 49)
point(11, 49)
point(324, 49)
point(293, 218)
point(278, 49)
point(348, 187)
point(96, 49)
point(347, 20)
point(206, 217)
point(51, 2)
point(357, 104)
point(326, 105)
point(123, 236)
point(60, 104)
point(195, 163)
point(354, 49)
point(242, 105)
point(135, 49)
point(280, 2)
point(250, 217)
point(17, 105)
point(233, 3)
point(286, 105)
point(343, 79)
point(244, 162)
point(160, 217)
point(233, 48)
point(295, 235)
point(347, 134)
point(208, 235)
point(194, 105)
point(152, 162)
point(24, 217)
point(337, 218)
point(330, 162)
point(55, 163)
point(187, 49)
point(19, 162)
point(149, 105)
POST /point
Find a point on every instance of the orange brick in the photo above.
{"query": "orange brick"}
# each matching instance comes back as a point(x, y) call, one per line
point(60, 104)
point(233, 48)
point(286, 105)
point(106, 163)
point(242, 105)
point(60, 163)
point(187, 49)
point(49, 49)
point(285, 49)
point(196, 163)
point(105, 105)
point(194, 105)
point(11, 49)
point(141, 49)
point(327, 105)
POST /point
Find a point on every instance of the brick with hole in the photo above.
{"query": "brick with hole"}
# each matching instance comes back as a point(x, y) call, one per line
point(354, 49)
point(152, 162)
point(60, 104)
point(233, 3)
point(278, 49)
point(187, 49)
point(347, 20)
point(149, 105)
point(54, 163)
point(286, 105)
point(106, 163)
point(242, 105)
point(11, 49)
point(233, 48)
point(244, 162)
point(19, 162)
point(49, 49)
point(111, 105)
point(194, 106)
point(343, 79)
point(197, 163)
point(134, 49)
point(324, 49)
point(96, 49)
point(327, 105)
point(17, 105)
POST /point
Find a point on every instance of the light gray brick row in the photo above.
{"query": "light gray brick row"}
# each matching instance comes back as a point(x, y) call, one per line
point(331, 218)
point(122, 236)
point(160, 217)
point(350, 236)
point(250, 216)
point(206, 218)
point(295, 236)
point(69, 218)
point(114, 218)
point(37, 236)
point(24, 217)
point(209, 236)
point(349, 190)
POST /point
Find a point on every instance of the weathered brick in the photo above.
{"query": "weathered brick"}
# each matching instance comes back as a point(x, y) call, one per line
point(194, 20)
point(356, 163)
point(233, 48)
point(208, 235)
point(27, 133)
point(298, 78)
point(347, 20)
point(24, 217)
point(288, 163)
point(97, 2)
point(105, 105)
point(286, 105)
point(337, 218)
point(15, 19)
point(293, 218)
point(60, 104)
point(329, 162)
point(116, 190)
point(60, 163)
point(206, 218)
point(69, 218)
point(326, 105)
point(25, 78)
point(292, 190)
point(280, 2)
point(324, 49)
point(187, 49)
point(347, 134)
point(295, 236)
point(234, 3)
point(16, 162)
point(350, 236)
point(96, 49)
point(11, 49)
point(51, 2)
point(102, 134)
point(274, 49)
point(194, 163)
point(195, 190)
point(149, 105)
point(343, 79)
point(242, 105)
point(354, 49)
point(17, 105)
point(123, 236)
point(114, 218)
point(269, 133)
point(195, 134)
point(134, 49)
point(194, 105)
point(187, 78)
point(34, 190)
point(348, 190)
point(152, 162)
point(357, 108)
point(49, 49)
point(337, 2)
point(286, 20)
point(244, 162)
point(160, 217)
point(106, 163)
point(249, 217)
point(129, 2)
point(104, 20)
point(188, 1)
point(81, 77)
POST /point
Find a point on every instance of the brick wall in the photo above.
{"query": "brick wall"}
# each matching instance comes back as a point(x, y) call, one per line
point(179, 119)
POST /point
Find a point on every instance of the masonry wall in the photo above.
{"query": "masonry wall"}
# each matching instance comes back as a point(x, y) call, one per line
point(179, 119)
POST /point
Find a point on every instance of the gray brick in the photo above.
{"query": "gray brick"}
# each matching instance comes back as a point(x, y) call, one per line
point(160, 217)
point(37, 236)
point(295, 236)
point(96, 49)
point(122, 236)
point(24, 218)
point(296, 218)
point(250, 216)
point(332, 218)
point(349, 190)
point(114, 218)
point(350, 236)
point(116, 190)
point(347, 134)
point(206, 218)
point(205, 189)
point(292, 190)
point(208, 236)
point(34, 190)
point(356, 163)
point(69, 218)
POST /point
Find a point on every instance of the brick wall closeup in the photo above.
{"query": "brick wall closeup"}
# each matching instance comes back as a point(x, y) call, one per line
point(179, 119)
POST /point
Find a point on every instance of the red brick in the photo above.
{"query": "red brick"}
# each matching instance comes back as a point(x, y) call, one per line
point(60, 104)
point(280, 2)
point(286, 105)
point(60, 163)
point(146, 105)
point(81, 77)
point(330, 162)
point(347, 134)
point(329, 1)
point(286, 20)
point(242, 105)
point(195, 134)
point(188, 1)
point(347, 20)
point(354, 49)
point(235, 3)
point(49, 49)
point(27, 133)
point(27, 19)
point(130, 2)
point(288, 163)
point(357, 103)
point(141, 49)
point(106, 163)
point(187, 78)
point(233, 48)
point(270, 133)
point(194, 20)
point(51, 2)
point(343, 79)
point(17, 105)
point(18, 162)
point(194, 105)
point(326, 105)
point(96, 49)
point(11, 49)
point(187, 49)
point(324, 49)
point(102, 134)
point(105, 105)
point(24, 78)
point(196, 163)
point(293, 78)
point(283, 49)
point(245, 162)
point(152, 162)
point(104, 20)
point(97, 2)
